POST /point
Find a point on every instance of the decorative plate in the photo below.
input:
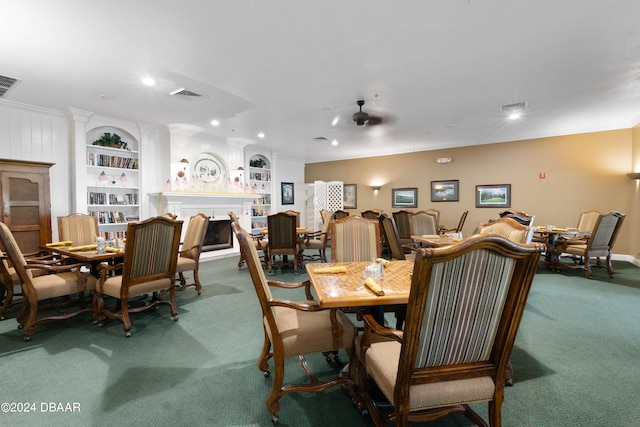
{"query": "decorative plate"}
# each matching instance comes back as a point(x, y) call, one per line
point(210, 168)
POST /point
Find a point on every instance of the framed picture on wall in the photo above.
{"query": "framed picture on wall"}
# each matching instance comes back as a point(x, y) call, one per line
point(493, 196)
point(404, 198)
point(286, 188)
point(444, 191)
point(350, 196)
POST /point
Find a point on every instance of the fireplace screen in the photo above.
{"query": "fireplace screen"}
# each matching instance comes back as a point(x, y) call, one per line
point(218, 236)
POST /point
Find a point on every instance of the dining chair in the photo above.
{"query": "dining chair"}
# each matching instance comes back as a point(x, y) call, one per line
point(190, 250)
point(297, 215)
point(339, 214)
point(586, 223)
point(78, 228)
point(423, 222)
point(261, 244)
point(458, 228)
point(355, 239)
point(396, 252)
point(403, 223)
point(149, 266)
point(282, 240)
point(371, 213)
point(508, 228)
point(317, 240)
point(45, 282)
point(435, 213)
point(521, 217)
point(465, 305)
point(392, 239)
point(599, 244)
point(295, 329)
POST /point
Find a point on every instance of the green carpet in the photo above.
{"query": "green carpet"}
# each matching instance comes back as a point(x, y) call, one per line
point(576, 361)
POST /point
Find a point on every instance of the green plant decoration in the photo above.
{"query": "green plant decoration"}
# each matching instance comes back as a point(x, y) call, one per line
point(257, 163)
point(111, 140)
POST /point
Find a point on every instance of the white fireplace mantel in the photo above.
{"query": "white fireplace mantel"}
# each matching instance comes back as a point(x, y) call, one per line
point(215, 206)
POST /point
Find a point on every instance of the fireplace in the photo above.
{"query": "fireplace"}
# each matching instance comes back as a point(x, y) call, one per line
point(216, 206)
point(218, 236)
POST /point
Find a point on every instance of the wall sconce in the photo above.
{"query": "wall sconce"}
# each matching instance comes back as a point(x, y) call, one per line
point(184, 161)
point(443, 160)
point(376, 188)
point(633, 175)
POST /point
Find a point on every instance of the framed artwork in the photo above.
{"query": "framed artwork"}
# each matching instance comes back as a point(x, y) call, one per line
point(493, 196)
point(350, 196)
point(286, 189)
point(444, 191)
point(404, 198)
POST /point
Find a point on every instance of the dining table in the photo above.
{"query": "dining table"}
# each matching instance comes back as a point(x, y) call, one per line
point(86, 252)
point(434, 240)
point(341, 284)
point(550, 237)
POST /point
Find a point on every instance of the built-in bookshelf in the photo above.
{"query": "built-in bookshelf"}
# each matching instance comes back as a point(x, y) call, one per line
point(259, 182)
point(113, 183)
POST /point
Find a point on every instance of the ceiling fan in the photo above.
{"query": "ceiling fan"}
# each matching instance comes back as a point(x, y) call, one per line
point(362, 118)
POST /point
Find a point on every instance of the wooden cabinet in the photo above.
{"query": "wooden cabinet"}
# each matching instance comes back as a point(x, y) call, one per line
point(26, 203)
point(113, 183)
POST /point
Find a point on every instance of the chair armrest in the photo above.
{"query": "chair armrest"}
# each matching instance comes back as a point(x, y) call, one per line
point(371, 327)
point(306, 284)
point(313, 234)
point(302, 306)
point(57, 268)
point(185, 250)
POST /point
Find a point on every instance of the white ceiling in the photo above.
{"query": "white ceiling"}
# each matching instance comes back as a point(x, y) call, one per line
point(440, 68)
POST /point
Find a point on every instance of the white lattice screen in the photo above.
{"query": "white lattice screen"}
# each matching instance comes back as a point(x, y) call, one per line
point(335, 198)
point(322, 195)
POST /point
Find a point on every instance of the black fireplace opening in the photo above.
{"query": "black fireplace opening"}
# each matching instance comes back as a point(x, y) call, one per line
point(218, 236)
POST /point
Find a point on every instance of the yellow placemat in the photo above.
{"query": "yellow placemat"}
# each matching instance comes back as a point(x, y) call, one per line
point(110, 249)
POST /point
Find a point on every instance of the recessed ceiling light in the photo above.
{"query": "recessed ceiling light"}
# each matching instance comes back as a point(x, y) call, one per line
point(334, 142)
point(335, 121)
point(261, 135)
point(214, 122)
point(148, 81)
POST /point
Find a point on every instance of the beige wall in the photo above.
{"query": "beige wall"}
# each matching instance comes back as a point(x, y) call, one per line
point(584, 172)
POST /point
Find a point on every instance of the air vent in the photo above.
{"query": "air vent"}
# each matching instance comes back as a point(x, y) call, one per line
point(5, 84)
point(187, 94)
point(509, 108)
point(320, 138)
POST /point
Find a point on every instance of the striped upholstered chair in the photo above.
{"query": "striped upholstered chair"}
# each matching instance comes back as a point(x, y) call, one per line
point(149, 266)
point(403, 223)
point(190, 249)
point(423, 222)
point(77, 228)
point(293, 330)
point(508, 228)
point(354, 239)
point(465, 305)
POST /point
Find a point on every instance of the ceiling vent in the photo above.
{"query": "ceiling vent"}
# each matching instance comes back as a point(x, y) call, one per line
point(5, 84)
point(187, 94)
point(320, 138)
point(510, 108)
